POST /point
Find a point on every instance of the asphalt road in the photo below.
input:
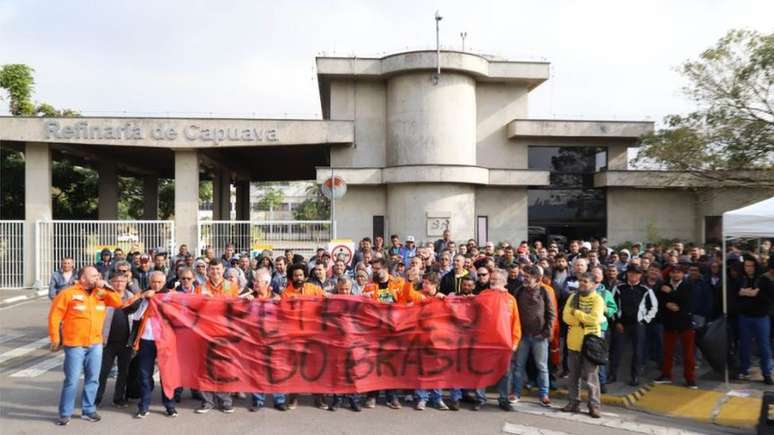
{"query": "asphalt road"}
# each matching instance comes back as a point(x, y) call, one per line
point(31, 376)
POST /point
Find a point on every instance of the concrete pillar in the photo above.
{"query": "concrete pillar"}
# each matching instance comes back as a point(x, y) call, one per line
point(243, 200)
point(37, 201)
point(617, 157)
point(108, 190)
point(221, 195)
point(409, 205)
point(186, 198)
point(150, 197)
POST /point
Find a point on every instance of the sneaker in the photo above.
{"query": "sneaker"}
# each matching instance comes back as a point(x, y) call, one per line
point(205, 408)
point(662, 380)
point(370, 403)
point(93, 417)
point(62, 421)
point(767, 380)
point(454, 405)
point(255, 406)
point(505, 406)
point(121, 404)
point(603, 388)
point(335, 403)
point(571, 407)
point(634, 382)
point(171, 412)
point(420, 406)
point(691, 384)
point(293, 403)
point(563, 374)
point(477, 406)
point(227, 409)
point(594, 413)
point(743, 376)
point(394, 403)
point(545, 402)
point(513, 399)
point(441, 406)
point(142, 414)
point(281, 406)
point(320, 403)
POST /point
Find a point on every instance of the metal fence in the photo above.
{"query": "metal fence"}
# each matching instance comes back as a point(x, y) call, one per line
point(11, 254)
point(303, 237)
point(83, 240)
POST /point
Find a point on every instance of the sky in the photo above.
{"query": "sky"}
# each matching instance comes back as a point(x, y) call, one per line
point(609, 59)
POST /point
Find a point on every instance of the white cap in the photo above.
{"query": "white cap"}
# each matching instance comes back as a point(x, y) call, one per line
point(410, 239)
point(586, 245)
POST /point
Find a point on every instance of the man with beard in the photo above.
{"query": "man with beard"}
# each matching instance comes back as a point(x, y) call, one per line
point(560, 273)
point(482, 281)
point(279, 279)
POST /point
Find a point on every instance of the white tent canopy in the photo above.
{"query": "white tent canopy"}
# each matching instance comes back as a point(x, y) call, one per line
point(755, 220)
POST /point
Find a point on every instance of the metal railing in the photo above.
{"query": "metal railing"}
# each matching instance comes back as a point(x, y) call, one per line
point(303, 237)
point(83, 240)
point(11, 254)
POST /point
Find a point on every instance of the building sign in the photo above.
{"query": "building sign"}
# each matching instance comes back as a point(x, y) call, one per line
point(437, 223)
point(132, 131)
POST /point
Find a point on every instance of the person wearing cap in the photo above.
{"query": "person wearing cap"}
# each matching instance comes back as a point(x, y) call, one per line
point(675, 299)
point(75, 322)
point(200, 272)
point(408, 251)
point(637, 307)
point(623, 260)
point(103, 266)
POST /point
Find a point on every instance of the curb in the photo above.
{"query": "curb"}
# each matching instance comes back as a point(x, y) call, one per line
point(626, 401)
point(20, 298)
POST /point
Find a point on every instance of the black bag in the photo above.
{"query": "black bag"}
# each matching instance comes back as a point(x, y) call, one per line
point(713, 343)
point(594, 347)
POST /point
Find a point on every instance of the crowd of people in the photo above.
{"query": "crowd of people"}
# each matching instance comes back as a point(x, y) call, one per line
point(642, 300)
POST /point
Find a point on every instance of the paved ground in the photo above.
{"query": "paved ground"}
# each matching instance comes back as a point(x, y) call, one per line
point(30, 378)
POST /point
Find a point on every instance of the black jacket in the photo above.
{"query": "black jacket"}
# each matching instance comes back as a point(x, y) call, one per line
point(676, 320)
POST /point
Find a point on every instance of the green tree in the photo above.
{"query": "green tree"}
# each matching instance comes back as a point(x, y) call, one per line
point(315, 207)
point(75, 190)
point(271, 198)
point(19, 82)
point(732, 129)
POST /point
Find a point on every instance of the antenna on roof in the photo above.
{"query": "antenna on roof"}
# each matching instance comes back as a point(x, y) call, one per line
point(437, 75)
point(463, 35)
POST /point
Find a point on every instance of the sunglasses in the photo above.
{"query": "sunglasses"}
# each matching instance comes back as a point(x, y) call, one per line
point(123, 270)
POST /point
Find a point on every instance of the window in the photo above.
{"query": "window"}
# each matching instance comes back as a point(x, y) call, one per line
point(482, 230)
point(570, 206)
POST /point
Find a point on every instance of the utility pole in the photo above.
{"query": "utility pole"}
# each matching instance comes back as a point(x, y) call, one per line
point(437, 76)
point(463, 35)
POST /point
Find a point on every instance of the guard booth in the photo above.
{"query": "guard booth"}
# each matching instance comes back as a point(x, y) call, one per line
point(230, 152)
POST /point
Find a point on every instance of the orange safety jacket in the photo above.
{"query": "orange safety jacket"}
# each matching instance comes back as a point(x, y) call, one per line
point(224, 289)
point(397, 288)
point(308, 289)
point(81, 314)
point(513, 312)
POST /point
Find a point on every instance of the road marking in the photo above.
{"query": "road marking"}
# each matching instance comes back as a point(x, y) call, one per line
point(14, 306)
point(9, 337)
point(14, 299)
point(528, 430)
point(24, 350)
point(40, 368)
point(608, 420)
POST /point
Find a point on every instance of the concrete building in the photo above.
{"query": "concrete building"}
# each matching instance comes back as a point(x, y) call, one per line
point(420, 152)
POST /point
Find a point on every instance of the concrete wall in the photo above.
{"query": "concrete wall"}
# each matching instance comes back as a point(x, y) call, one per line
point(431, 124)
point(715, 202)
point(365, 103)
point(409, 204)
point(650, 214)
point(496, 105)
point(506, 208)
point(355, 211)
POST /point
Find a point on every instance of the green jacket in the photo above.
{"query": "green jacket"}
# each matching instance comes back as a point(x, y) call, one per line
point(610, 306)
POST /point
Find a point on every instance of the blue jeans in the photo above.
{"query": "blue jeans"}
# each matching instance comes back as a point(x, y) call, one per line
point(260, 399)
point(432, 396)
point(146, 358)
point(603, 368)
point(505, 381)
point(539, 348)
point(456, 395)
point(760, 328)
point(654, 347)
point(86, 360)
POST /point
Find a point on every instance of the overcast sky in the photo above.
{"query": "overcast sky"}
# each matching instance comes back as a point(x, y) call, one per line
point(609, 59)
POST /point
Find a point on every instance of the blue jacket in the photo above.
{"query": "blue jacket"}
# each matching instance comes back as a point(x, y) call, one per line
point(701, 298)
point(57, 283)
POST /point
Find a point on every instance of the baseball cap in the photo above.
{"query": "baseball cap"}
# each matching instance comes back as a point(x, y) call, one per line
point(144, 258)
point(410, 239)
point(625, 251)
point(586, 245)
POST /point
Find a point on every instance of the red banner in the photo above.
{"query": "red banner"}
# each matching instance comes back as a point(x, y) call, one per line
point(341, 344)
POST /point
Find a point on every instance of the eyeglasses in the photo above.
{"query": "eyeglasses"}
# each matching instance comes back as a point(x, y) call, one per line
point(483, 274)
point(123, 270)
